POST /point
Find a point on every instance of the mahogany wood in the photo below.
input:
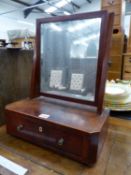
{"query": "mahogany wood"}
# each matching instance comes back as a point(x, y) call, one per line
point(127, 67)
point(74, 128)
point(78, 126)
point(105, 42)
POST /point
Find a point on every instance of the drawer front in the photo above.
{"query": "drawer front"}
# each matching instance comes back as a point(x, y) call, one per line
point(117, 39)
point(127, 72)
point(115, 8)
point(114, 75)
point(116, 58)
point(117, 28)
point(116, 50)
point(127, 68)
point(115, 67)
point(44, 134)
point(115, 63)
point(127, 60)
point(117, 20)
point(108, 2)
point(127, 76)
point(117, 45)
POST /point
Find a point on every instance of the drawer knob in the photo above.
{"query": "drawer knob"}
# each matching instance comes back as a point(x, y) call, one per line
point(40, 128)
point(127, 72)
point(19, 127)
point(109, 63)
point(61, 142)
point(111, 2)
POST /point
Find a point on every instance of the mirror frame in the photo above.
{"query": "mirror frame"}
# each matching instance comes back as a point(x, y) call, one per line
point(102, 63)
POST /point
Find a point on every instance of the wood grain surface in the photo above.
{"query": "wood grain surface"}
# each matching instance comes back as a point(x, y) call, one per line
point(115, 158)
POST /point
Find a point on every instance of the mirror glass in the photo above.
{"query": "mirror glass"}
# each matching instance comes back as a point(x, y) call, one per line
point(69, 55)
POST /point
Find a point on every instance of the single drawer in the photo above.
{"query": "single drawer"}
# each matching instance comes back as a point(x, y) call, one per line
point(110, 2)
point(127, 76)
point(116, 58)
point(117, 29)
point(113, 75)
point(117, 40)
point(114, 67)
point(116, 50)
point(44, 133)
point(113, 8)
point(127, 60)
point(117, 20)
point(117, 45)
point(127, 68)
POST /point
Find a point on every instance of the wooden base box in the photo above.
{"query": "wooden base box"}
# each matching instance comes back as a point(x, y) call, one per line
point(71, 130)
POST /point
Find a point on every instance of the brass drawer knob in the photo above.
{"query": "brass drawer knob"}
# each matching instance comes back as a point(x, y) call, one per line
point(111, 2)
point(19, 127)
point(40, 129)
point(109, 63)
point(129, 59)
point(61, 142)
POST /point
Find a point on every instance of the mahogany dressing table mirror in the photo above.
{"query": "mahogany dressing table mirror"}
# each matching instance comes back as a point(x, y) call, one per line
point(65, 109)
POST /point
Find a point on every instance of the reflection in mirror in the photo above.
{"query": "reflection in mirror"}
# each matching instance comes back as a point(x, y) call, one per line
point(69, 54)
